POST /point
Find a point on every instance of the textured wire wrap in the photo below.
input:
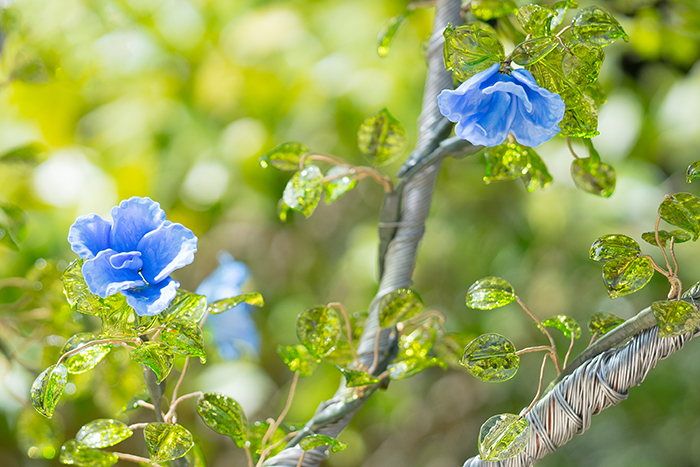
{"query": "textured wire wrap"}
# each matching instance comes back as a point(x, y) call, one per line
point(599, 383)
point(403, 227)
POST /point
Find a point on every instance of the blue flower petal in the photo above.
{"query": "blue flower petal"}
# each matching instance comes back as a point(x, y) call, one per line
point(133, 219)
point(491, 127)
point(89, 235)
point(540, 123)
point(128, 260)
point(235, 333)
point(166, 249)
point(104, 280)
point(151, 299)
point(225, 281)
point(463, 101)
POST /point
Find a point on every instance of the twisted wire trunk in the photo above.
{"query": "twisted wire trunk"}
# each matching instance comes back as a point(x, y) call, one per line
point(402, 227)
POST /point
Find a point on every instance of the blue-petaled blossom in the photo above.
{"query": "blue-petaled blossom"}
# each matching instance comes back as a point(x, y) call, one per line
point(489, 105)
point(234, 331)
point(133, 254)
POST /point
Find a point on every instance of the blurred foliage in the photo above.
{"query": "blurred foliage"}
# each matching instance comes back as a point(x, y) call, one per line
point(177, 100)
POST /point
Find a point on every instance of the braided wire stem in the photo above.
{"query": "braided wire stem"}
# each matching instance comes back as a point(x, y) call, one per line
point(599, 383)
point(404, 215)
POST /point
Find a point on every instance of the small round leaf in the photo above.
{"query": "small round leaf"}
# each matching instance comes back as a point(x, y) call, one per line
point(613, 246)
point(502, 437)
point(223, 415)
point(303, 191)
point(318, 328)
point(48, 388)
point(102, 433)
point(314, 441)
point(603, 322)
point(398, 306)
point(566, 324)
point(167, 442)
point(675, 318)
point(491, 358)
point(298, 358)
point(87, 358)
point(381, 137)
point(623, 276)
point(72, 453)
point(489, 293)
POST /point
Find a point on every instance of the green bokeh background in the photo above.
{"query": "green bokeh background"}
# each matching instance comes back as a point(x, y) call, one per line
point(177, 99)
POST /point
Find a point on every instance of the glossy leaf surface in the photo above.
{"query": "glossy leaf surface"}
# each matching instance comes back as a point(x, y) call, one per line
point(594, 24)
point(680, 236)
point(566, 324)
point(341, 182)
point(602, 322)
point(582, 65)
point(388, 33)
point(533, 50)
point(675, 318)
point(418, 342)
point(489, 293)
point(102, 433)
point(693, 172)
point(167, 442)
point(185, 339)
point(73, 454)
point(318, 328)
point(256, 432)
point(187, 307)
point(381, 137)
point(398, 306)
point(298, 358)
point(403, 369)
point(536, 20)
point(506, 161)
point(624, 276)
point(226, 304)
point(682, 210)
point(303, 191)
point(316, 440)
point(87, 358)
point(286, 156)
point(614, 246)
point(155, 355)
point(341, 355)
point(502, 437)
point(224, 415)
point(596, 178)
point(47, 389)
point(354, 378)
point(537, 176)
point(471, 49)
point(491, 358)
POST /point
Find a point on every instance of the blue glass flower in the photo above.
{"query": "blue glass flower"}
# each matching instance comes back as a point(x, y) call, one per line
point(489, 105)
point(235, 332)
point(134, 254)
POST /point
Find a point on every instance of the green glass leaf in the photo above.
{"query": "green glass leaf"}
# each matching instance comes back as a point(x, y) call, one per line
point(450, 347)
point(623, 276)
point(693, 172)
point(561, 8)
point(613, 246)
point(502, 437)
point(419, 341)
point(489, 293)
point(79, 296)
point(596, 93)
point(537, 176)
point(102, 433)
point(486, 10)
point(155, 355)
point(303, 191)
point(680, 236)
point(185, 339)
point(566, 324)
point(354, 378)
point(682, 210)
point(226, 304)
point(186, 307)
point(298, 358)
point(536, 20)
point(341, 355)
point(581, 114)
point(47, 389)
point(403, 369)
point(167, 442)
point(389, 31)
point(381, 137)
point(533, 50)
point(256, 432)
point(87, 358)
point(133, 403)
point(315, 440)
point(594, 24)
point(286, 156)
point(195, 457)
point(675, 318)
point(73, 454)
point(341, 181)
point(582, 65)
point(27, 153)
point(602, 322)
point(592, 177)
point(507, 161)
point(224, 415)
point(398, 306)
point(471, 49)
point(38, 437)
point(318, 328)
point(491, 358)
